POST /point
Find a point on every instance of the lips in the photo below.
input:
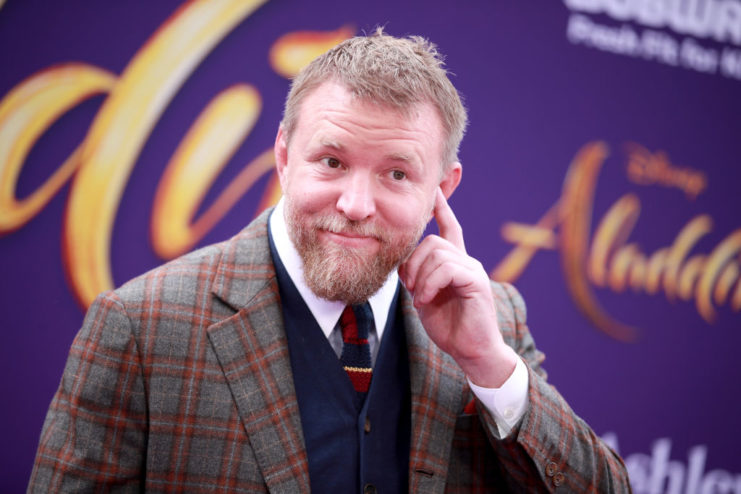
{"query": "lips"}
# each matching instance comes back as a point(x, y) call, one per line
point(341, 230)
point(350, 239)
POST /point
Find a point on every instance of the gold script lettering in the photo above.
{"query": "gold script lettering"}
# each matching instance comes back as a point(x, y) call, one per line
point(292, 51)
point(577, 198)
point(121, 127)
point(646, 168)
point(612, 261)
point(204, 151)
point(25, 113)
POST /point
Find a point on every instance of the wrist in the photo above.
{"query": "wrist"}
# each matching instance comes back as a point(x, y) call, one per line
point(490, 370)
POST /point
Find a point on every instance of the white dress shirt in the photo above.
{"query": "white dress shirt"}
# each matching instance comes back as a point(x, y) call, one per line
point(507, 403)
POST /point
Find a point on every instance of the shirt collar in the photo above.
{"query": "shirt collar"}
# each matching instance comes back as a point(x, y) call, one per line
point(326, 312)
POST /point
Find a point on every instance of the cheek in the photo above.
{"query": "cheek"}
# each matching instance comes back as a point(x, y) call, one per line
point(309, 197)
point(407, 214)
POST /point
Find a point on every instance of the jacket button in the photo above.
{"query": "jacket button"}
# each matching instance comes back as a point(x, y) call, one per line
point(558, 479)
point(551, 468)
point(367, 426)
point(369, 489)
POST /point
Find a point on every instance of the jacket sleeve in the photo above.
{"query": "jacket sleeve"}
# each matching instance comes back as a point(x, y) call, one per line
point(552, 449)
point(94, 434)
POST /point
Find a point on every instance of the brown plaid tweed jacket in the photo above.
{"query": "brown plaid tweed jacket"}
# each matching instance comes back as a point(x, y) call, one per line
point(180, 381)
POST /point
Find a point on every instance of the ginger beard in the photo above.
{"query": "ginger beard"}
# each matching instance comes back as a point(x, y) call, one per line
point(342, 274)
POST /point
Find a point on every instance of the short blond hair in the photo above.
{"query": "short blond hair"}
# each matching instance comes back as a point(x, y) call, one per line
point(395, 72)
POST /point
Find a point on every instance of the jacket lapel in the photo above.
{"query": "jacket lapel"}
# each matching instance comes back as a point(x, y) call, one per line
point(252, 349)
point(437, 387)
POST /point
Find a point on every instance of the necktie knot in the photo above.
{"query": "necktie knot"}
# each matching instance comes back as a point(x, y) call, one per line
point(355, 324)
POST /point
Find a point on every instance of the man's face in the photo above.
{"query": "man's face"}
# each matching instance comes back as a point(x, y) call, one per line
point(359, 182)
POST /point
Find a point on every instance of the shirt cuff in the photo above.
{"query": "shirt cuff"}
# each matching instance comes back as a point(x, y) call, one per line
point(508, 403)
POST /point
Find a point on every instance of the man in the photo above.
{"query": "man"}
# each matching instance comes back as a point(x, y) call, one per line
point(322, 348)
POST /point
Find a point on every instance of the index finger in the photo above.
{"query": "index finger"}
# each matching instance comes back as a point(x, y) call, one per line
point(446, 221)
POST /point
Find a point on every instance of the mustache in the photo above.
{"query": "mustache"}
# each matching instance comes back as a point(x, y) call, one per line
point(339, 224)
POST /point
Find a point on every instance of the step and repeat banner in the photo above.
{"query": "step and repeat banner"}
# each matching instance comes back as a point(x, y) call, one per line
point(602, 176)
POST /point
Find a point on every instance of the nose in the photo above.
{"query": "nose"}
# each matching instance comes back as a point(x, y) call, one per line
point(356, 200)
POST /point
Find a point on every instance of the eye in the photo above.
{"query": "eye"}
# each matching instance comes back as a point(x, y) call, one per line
point(398, 175)
point(331, 162)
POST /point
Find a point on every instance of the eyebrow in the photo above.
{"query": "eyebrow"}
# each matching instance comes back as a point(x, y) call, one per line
point(399, 157)
point(326, 142)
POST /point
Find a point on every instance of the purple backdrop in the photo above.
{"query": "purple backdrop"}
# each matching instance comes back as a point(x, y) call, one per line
point(541, 80)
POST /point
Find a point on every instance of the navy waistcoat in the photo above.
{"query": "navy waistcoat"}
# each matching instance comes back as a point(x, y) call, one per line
point(349, 444)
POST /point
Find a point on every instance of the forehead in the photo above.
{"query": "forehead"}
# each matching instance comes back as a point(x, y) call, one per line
point(331, 112)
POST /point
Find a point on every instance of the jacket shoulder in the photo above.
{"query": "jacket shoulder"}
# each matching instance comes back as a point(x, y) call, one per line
point(174, 279)
point(181, 280)
point(510, 305)
point(199, 287)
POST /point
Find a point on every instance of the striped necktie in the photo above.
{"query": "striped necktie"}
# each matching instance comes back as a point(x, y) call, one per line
point(355, 324)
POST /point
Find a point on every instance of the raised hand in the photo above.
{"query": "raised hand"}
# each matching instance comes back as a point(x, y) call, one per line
point(452, 294)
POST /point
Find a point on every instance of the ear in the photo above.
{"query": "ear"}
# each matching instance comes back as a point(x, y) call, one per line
point(451, 178)
point(280, 149)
